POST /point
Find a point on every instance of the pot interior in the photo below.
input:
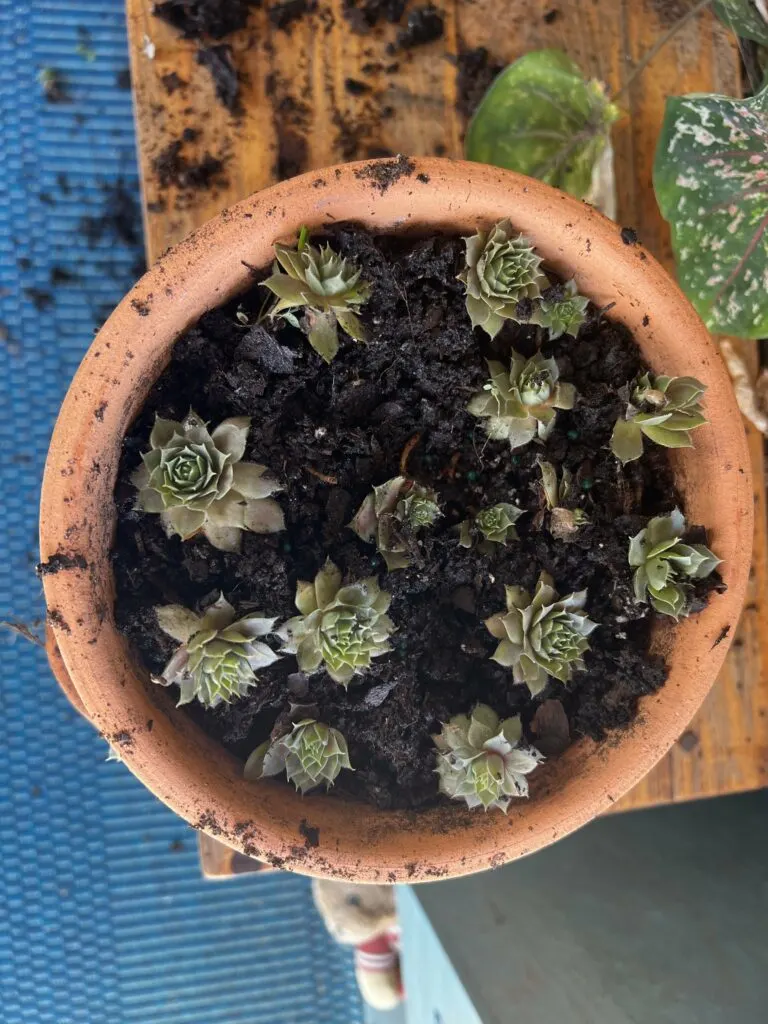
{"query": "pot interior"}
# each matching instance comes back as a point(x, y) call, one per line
point(160, 744)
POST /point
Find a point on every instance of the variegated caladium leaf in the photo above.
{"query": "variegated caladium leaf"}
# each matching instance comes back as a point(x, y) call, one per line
point(711, 183)
point(543, 118)
point(747, 18)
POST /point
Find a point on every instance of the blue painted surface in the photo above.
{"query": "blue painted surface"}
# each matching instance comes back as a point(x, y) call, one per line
point(103, 914)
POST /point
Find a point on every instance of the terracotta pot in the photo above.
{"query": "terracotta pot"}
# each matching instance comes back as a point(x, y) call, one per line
point(192, 773)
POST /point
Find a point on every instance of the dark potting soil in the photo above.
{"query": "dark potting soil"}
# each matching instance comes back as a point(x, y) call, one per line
point(331, 433)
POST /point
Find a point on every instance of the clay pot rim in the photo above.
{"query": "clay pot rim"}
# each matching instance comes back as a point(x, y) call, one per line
point(203, 271)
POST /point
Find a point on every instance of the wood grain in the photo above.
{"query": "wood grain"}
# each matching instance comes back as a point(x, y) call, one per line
point(412, 110)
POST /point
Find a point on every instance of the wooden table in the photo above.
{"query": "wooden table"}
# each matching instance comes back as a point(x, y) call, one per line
point(725, 749)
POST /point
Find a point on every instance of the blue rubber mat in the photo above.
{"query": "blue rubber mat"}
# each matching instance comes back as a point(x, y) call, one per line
point(104, 918)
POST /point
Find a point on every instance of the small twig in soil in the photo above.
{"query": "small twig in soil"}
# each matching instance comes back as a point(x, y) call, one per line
point(322, 476)
point(409, 446)
point(450, 469)
point(21, 630)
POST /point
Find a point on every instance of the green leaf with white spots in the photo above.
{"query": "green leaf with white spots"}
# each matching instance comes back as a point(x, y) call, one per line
point(711, 183)
point(744, 17)
point(541, 117)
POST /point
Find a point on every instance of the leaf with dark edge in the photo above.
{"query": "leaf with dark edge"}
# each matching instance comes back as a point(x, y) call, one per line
point(543, 118)
point(711, 183)
point(744, 17)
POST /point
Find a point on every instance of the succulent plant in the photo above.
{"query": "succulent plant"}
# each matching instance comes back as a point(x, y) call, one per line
point(312, 753)
point(218, 657)
point(392, 514)
point(501, 269)
point(480, 760)
point(541, 636)
point(198, 483)
point(560, 309)
point(665, 566)
point(495, 524)
point(340, 627)
point(520, 404)
point(664, 409)
point(325, 285)
point(563, 522)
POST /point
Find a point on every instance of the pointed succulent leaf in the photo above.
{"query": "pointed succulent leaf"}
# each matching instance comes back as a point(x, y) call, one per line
point(663, 409)
point(341, 628)
point(541, 117)
point(178, 622)
point(561, 310)
point(392, 515)
point(197, 482)
point(664, 564)
point(497, 523)
point(501, 269)
point(545, 635)
point(218, 655)
point(627, 441)
point(709, 177)
point(311, 754)
point(322, 334)
point(326, 286)
point(480, 759)
point(563, 522)
point(519, 405)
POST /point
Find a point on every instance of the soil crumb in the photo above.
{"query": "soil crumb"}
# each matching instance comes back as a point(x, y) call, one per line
point(201, 19)
point(217, 60)
point(385, 173)
point(424, 25)
point(173, 167)
point(283, 15)
point(476, 71)
point(363, 15)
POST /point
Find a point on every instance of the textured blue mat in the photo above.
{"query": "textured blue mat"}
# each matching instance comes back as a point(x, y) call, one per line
point(103, 916)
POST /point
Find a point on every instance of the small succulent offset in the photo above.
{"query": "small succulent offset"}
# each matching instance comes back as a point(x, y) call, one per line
point(391, 514)
point(198, 483)
point(312, 753)
point(664, 565)
point(563, 522)
point(541, 636)
point(480, 760)
point(340, 627)
point(664, 409)
point(501, 269)
point(496, 525)
point(325, 285)
point(560, 309)
point(521, 403)
point(218, 657)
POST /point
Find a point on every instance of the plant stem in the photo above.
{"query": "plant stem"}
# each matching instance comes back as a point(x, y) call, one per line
point(660, 43)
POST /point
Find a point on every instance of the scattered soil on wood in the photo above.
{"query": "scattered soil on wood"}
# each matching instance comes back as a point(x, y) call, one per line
point(424, 25)
point(350, 422)
point(173, 166)
point(221, 67)
point(363, 15)
point(283, 15)
point(476, 70)
point(205, 19)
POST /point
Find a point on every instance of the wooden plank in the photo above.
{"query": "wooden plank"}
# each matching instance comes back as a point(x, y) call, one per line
point(725, 750)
